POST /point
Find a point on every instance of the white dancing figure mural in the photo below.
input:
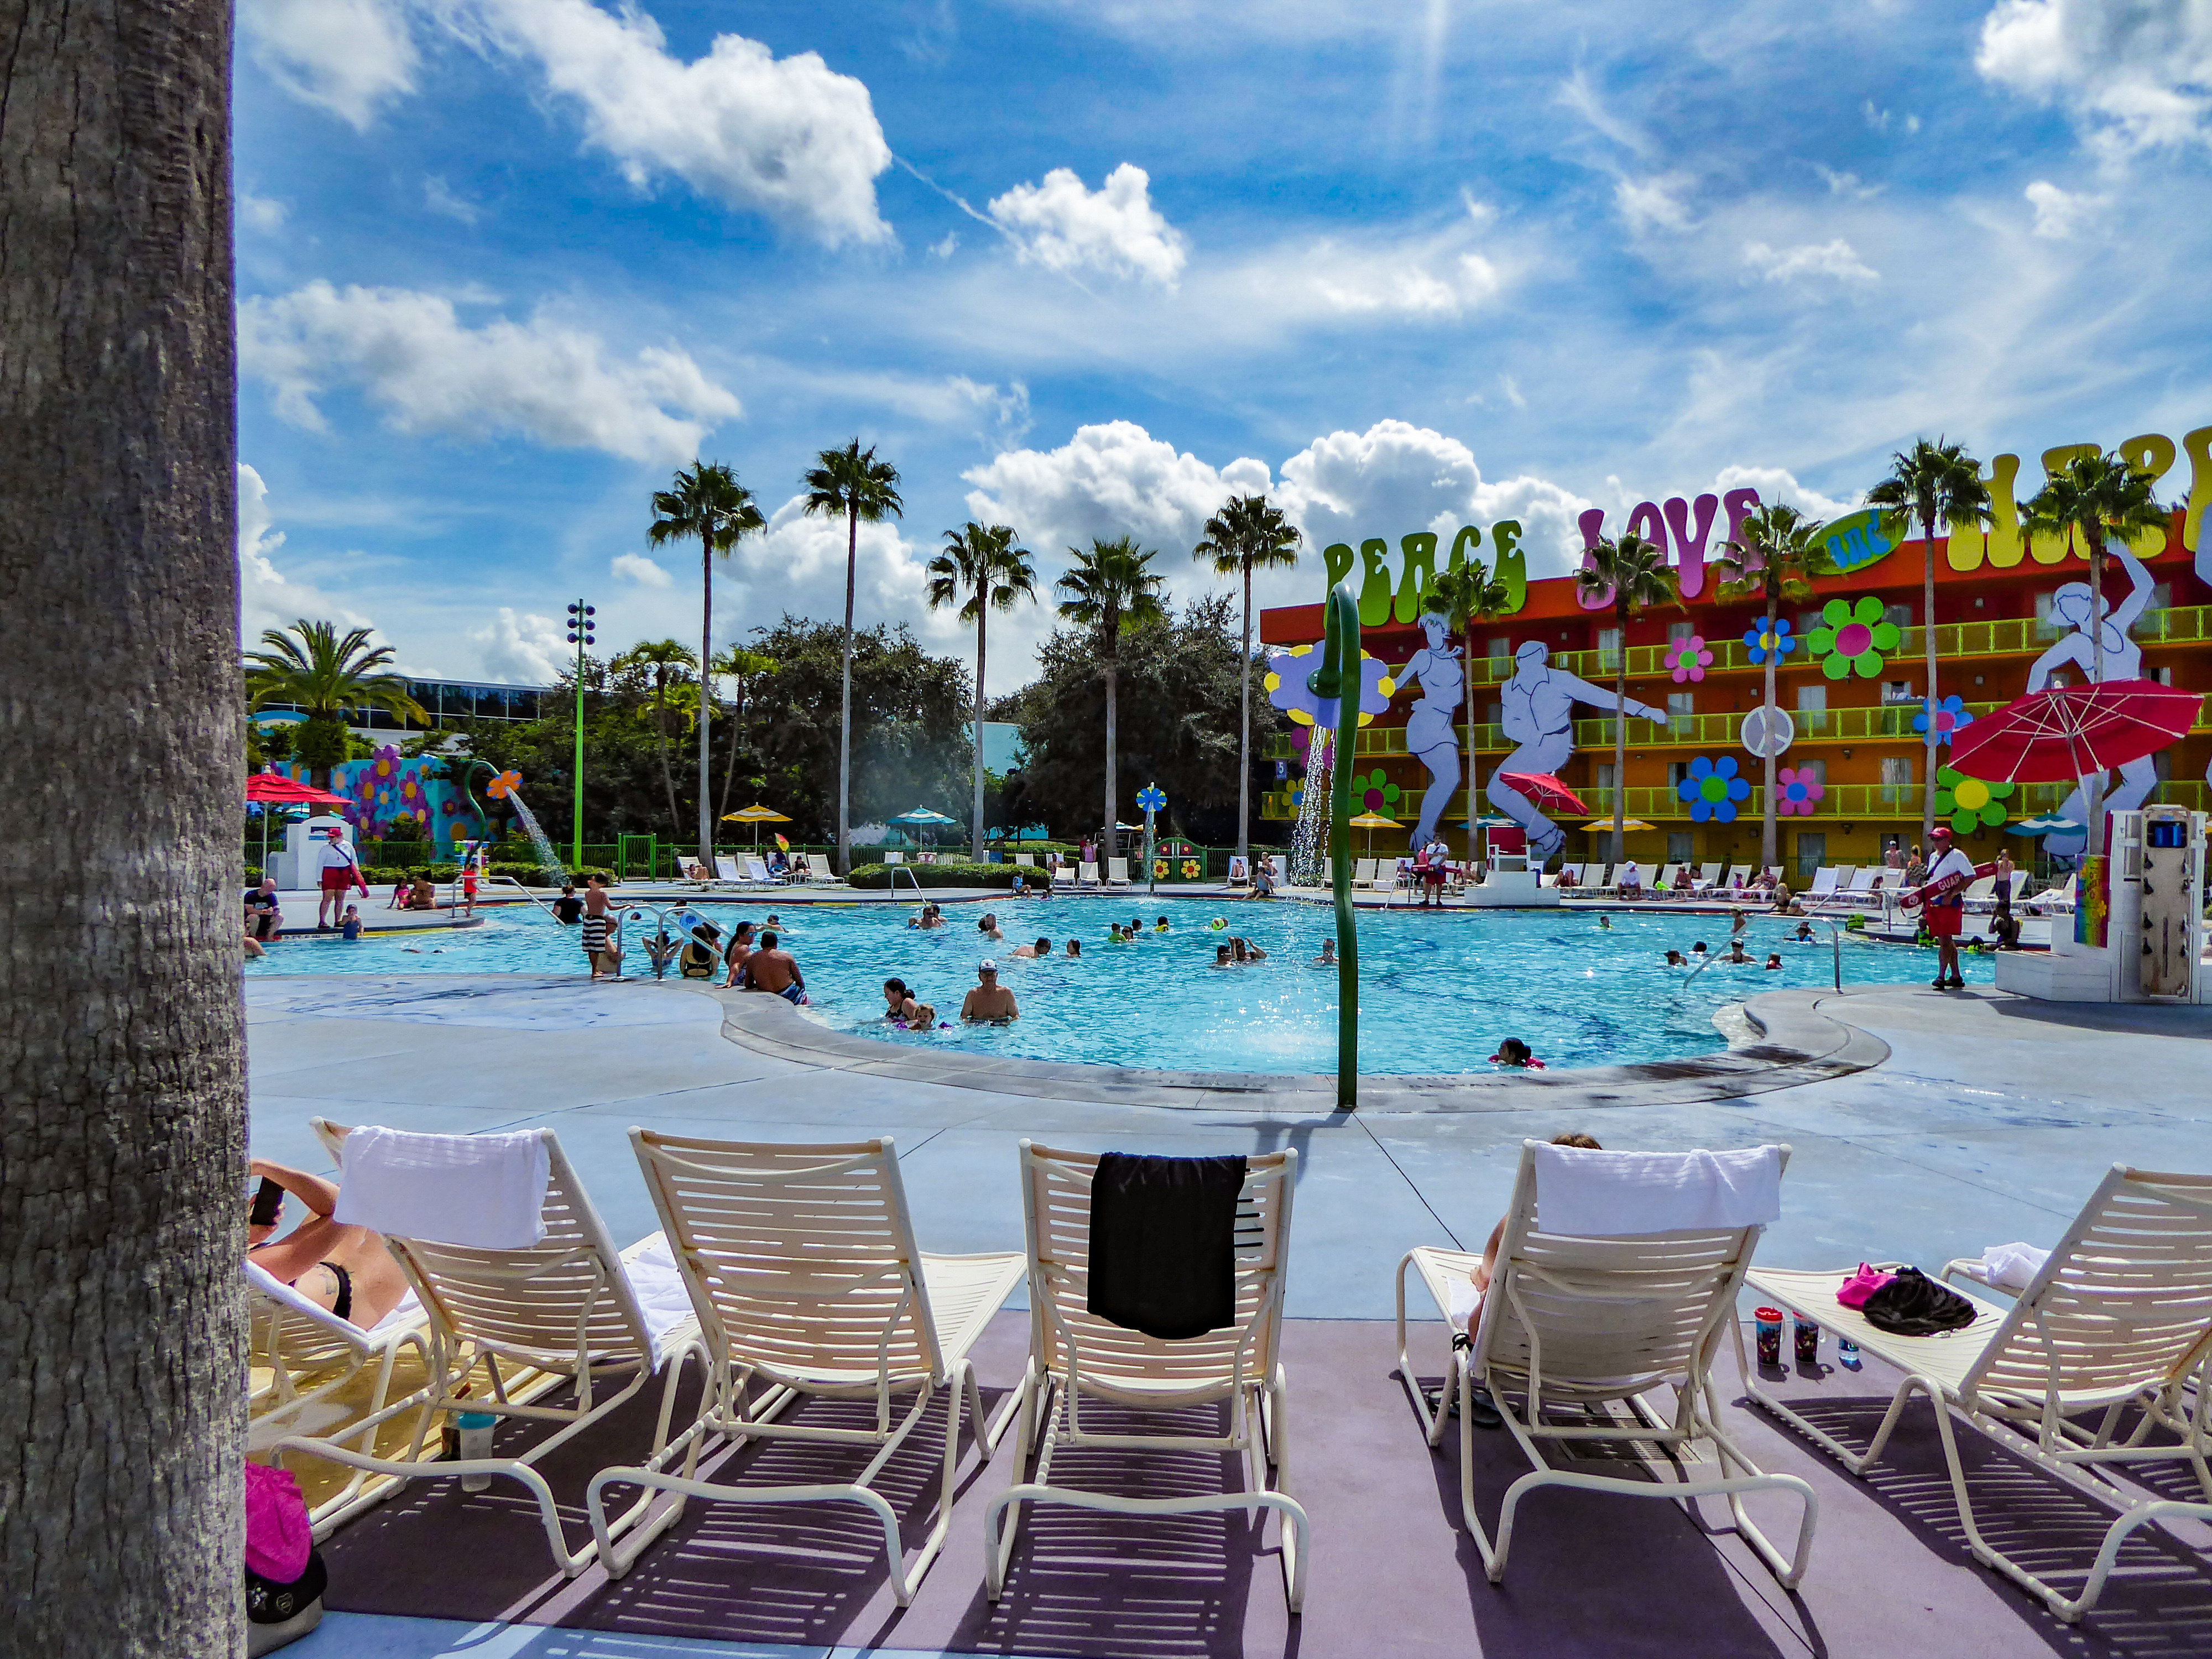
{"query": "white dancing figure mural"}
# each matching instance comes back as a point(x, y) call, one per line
point(1540, 715)
point(2070, 610)
point(1429, 733)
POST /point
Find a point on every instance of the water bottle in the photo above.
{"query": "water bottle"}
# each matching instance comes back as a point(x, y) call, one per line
point(475, 1442)
point(1847, 1353)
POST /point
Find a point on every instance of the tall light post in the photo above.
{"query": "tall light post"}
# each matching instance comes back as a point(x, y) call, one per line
point(580, 635)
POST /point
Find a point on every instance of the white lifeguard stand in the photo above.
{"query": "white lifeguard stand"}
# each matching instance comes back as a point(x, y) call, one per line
point(2154, 948)
point(293, 867)
point(1509, 882)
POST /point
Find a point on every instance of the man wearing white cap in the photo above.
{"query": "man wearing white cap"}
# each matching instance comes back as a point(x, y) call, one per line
point(989, 1001)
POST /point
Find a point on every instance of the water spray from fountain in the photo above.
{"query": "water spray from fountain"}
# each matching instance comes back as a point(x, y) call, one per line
point(1309, 842)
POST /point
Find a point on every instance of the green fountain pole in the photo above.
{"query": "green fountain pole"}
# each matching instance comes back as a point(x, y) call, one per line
point(1338, 679)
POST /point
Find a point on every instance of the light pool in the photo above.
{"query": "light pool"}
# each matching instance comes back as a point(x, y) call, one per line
point(1437, 991)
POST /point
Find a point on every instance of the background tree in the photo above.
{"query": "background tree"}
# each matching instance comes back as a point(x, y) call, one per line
point(1463, 596)
point(1246, 534)
point(1777, 553)
point(309, 665)
point(984, 568)
point(745, 670)
point(669, 663)
point(1111, 589)
point(2094, 497)
point(122, 1079)
point(851, 484)
point(1929, 483)
point(706, 502)
point(1632, 572)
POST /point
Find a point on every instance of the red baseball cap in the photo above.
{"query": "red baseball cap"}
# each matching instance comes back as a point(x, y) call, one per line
point(1941, 832)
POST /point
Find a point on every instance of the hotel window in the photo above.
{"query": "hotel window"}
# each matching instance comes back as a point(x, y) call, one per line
point(1806, 621)
point(1896, 770)
point(1811, 708)
point(1681, 703)
point(1899, 614)
point(1675, 772)
point(1679, 631)
point(2161, 595)
point(1608, 639)
point(1494, 713)
point(1898, 691)
point(1815, 770)
point(1500, 649)
point(2043, 625)
point(1681, 846)
point(1605, 775)
point(1812, 853)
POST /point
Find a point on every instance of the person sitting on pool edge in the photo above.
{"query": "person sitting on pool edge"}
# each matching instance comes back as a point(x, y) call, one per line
point(1031, 953)
point(1512, 1051)
point(989, 1001)
point(733, 955)
point(773, 969)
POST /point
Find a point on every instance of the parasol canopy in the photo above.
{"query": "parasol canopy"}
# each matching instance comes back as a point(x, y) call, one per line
point(2052, 737)
point(277, 790)
point(2047, 823)
point(1544, 789)
point(756, 814)
point(923, 815)
point(1626, 823)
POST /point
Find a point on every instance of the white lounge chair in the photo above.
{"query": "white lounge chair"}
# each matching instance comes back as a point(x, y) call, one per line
point(803, 1272)
point(726, 870)
point(1569, 876)
point(1738, 876)
point(1026, 860)
point(1117, 873)
point(1663, 883)
point(1598, 879)
point(1089, 875)
point(1862, 881)
point(1824, 882)
point(1363, 872)
point(1709, 877)
point(1076, 1357)
point(893, 855)
point(757, 871)
point(566, 1306)
point(1588, 1323)
point(1062, 876)
point(2053, 899)
point(2119, 1316)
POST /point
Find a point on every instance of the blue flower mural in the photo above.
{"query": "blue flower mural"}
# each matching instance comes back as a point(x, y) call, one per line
point(1712, 788)
point(1758, 641)
point(1950, 717)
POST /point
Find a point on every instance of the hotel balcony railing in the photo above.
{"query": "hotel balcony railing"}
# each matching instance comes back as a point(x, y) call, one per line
point(1891, 722)
point(2020, 636)
point(1846, 802)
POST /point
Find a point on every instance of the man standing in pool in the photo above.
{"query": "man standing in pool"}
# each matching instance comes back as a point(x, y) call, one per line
point(1429, 733)
point(1538, 714)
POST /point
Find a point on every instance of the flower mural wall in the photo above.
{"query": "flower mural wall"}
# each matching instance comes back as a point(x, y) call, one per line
point(1687, 660)
point(1712, 789)
point(386, 788)
point(1971, 803)
point(1759, 643)
point(1949, 718)
point(1798, 791)
point(1852, 637)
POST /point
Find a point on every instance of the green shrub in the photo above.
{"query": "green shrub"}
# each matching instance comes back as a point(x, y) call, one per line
point(528, 874)
point(944, 875)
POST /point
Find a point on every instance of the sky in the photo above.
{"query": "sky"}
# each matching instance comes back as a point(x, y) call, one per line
point(1088, 269)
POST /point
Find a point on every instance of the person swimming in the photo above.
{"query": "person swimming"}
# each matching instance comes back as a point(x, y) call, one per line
point(1773, 960)
point(1161, 925)
point(1676, 959)
point(1605, 922)
point(1075, 949)
point(1221, 956)
point(1512, 1051)
point(1327, 957)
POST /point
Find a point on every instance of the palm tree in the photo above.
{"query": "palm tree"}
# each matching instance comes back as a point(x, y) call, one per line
point(705, 500)
point(1464, 596)
point(2095, 496)
point(853, 484)
point(1248, 534)
point(1928, 483)
point(1632, 573)
point(670, 663)
point(1112, 590)
point(984, 568)
point(309, 666)
point(1777, 553)
point(744, 668)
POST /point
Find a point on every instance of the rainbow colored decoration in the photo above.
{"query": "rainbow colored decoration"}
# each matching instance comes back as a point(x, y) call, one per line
point(2092, 901)
point(1798, 791)
point(1688, 659)
point(1712, 789)
point(1852, 637)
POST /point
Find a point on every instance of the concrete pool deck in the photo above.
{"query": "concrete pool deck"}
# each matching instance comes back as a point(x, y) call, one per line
point(1964, 1120)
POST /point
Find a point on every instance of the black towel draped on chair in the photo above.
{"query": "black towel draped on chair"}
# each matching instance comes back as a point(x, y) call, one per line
point(1163, 1244)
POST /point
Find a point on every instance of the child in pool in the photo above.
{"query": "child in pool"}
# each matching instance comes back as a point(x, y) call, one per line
point(1075, 949)
point(1327, 957)
point(1512, 1051)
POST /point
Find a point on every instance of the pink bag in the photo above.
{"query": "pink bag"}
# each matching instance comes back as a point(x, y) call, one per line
point(278, 1537)
point(1861, 1285)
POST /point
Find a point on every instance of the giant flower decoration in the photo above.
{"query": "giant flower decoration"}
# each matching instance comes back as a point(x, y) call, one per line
point(1948, 717)
point(1759, 643)
point(1376, 793)
point(1971, 803)
point(1159, 869)
point(1796, 792)
point(1852, 636)
point(1192, 869)
point(1286, 684)
point(1688, 659)
point(504, 785)
point(1712, 788)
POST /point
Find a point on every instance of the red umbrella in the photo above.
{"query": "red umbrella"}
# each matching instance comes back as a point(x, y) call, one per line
point(2050, 737)
point(278, 790)
point(1544, 788)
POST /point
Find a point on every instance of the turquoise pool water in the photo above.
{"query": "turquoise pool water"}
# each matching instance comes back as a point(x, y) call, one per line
point(1437, 991)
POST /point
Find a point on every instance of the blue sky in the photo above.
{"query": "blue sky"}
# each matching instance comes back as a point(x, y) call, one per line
point(1087, 268)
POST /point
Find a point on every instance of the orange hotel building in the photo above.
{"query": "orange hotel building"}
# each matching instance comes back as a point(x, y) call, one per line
point(1856, 732)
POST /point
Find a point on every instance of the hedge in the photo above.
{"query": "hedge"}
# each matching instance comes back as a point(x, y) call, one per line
point(529, 875)
point(946, 875)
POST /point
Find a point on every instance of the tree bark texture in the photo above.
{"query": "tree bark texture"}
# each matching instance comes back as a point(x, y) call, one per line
point(706, 699)
point(982, 593)
point(845, 707)
point(1620, 743)
point(1244, 730)
point(1767, 849)
point(1927, 637)
point(122, 1098)
point(1108, 838)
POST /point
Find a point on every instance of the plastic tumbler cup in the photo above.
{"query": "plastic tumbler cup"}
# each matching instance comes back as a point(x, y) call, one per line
point(474, 1438)
point(1808, 1334)
point(1767, 1322)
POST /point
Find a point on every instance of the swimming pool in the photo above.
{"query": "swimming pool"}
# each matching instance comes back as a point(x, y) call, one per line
point(1437, 991)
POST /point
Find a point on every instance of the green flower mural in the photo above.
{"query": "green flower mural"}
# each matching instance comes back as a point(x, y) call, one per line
point(1852, 636)
point(1970, 803)
point(1376, 793)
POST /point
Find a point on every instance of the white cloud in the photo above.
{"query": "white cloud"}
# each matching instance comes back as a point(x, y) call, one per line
point(1774, 484)
point(266, 596)
point(789, 139)
point(1646, 202)
point(1411, 290)
point(636, 568)
point(260, 213)
point(2060, 213)
point(440, 198)
point(348, 57)
point(1106, 481)
point(1880, 120)
point(1848, 184)
point(413, 356)
point(1576, 94)
point(942, 249)
point(520, 647)
point(1115, 228)
point(2132, 76)
point(1835, 258)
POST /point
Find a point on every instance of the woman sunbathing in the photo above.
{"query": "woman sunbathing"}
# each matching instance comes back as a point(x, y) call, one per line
point(345, 1269)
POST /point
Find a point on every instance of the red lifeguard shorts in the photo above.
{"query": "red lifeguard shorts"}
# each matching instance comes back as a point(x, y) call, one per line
point(337, 878)
point(1944, 920)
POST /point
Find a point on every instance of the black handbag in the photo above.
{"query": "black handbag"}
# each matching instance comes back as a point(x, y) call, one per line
point(1913, 1305)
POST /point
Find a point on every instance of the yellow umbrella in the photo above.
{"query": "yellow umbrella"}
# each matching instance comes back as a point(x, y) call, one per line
point(1628, 824)
point(1370, 822)
point(756, 815)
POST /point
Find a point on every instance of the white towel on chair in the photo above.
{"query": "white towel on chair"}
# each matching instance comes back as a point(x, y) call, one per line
point(481, 1192)
point(2010, 1266)
point(1581, 1194)
point(659, 1284)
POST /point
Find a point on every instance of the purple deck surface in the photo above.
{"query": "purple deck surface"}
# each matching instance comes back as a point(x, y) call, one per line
point(1392, 1571)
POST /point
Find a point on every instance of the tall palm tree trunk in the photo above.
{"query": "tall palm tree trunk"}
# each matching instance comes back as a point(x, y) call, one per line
point(706, 698)
point(1106, 839)
point(845, 704)
point(1244, 725)
point(2093, 791)
point(1928, 637)
point(981, 588)
point(730, 765)
point(660, 742)
point(1621, 742)
point(1467, 680)
point(1767, 836)
point(122, 1079)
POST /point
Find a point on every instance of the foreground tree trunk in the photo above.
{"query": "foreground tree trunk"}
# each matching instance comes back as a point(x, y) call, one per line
point(1108, 839)
point(706, 699)
point(122, 1103)
point(845, 704)
point(1928, 639)
point(982, 593)
point(1767, 849)
point(1620, 746)
point(1244, 729)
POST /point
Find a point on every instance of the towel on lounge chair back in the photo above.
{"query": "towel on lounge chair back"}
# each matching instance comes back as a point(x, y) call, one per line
point(1163, 1244)
point(480, 1192)
point(1581, 1194)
